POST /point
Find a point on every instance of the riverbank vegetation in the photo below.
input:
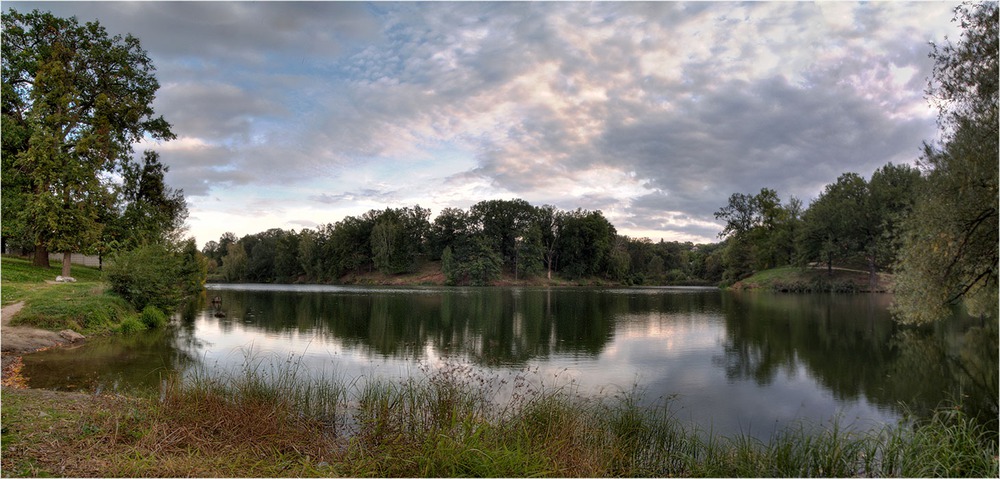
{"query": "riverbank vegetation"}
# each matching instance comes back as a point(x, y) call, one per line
point(808, 279)
point(88, 306)
point(451, 421)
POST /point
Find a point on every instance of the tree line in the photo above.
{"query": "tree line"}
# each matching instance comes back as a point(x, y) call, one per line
point(854, 222)
point(478, 246)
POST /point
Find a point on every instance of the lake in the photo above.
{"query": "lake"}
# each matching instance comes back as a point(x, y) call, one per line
point(729, 362)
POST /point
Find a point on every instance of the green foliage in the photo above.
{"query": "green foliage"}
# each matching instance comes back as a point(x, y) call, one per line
point(619, 261)
point(234, 266)
point(150, 210)
point(503, 222)
point(383, 246)
point(858, 218)
point(838, 223)
point(75, 101)
point(950, 248)
point(148, 275)
point(152, 317)
point(528, 258)
point(478, 264)
point(892, 193)
point(193, 268)
point(397, 238)
point(584, 242)
point(448, 267)
point(760, 233)
point(851, 219)
point(131, 325)
point(286, 262)
point(451, 228)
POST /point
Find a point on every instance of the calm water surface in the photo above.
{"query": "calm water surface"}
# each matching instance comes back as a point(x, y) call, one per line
point(731, 362)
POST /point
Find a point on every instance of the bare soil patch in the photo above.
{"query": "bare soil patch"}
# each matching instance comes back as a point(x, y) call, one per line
point(18, 340)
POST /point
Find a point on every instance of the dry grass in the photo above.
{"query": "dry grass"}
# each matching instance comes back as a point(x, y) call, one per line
point(452, 421)
point(80, 435)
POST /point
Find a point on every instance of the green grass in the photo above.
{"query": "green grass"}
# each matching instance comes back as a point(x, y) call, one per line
point(19, 270)
point(450, 422)
point(802, 279)
point(19, 279)
point(84, 306)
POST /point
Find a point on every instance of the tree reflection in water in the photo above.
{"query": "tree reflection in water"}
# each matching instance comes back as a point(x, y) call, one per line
point(679, 340)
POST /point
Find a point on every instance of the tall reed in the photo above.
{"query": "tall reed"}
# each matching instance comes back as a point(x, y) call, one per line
point(457, 420)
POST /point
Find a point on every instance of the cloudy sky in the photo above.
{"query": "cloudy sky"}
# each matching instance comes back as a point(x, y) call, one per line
point(291, 115)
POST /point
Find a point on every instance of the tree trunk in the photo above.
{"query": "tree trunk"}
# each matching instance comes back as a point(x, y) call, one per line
point(829, 264)
point(41, 259)
point(67, 257)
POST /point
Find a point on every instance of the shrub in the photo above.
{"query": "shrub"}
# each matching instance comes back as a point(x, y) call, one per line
point(153, 318)
point(131, 325)
point(147, 275)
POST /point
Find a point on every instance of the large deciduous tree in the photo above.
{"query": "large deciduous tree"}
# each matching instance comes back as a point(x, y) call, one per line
point(504, 224)
point(949, 253)
point(585, 240)
point(837, 224)
point(148, 210)
point(75, 100)
point(759, 232)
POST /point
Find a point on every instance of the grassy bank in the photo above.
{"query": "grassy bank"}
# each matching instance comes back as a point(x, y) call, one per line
point(85, 306)
point(449, 422)
point(813, 279)
point(20, 279)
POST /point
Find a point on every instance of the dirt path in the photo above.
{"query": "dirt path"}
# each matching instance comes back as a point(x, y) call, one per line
point(24, 339)
point(17, 340)
point(9, 311)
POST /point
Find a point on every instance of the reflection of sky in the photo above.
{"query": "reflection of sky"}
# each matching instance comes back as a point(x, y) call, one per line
point(674, 360)
point(228, 343)
point(665, 354)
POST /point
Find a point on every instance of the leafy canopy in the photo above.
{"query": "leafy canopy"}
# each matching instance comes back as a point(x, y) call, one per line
point(75, 100)
point(949, 254)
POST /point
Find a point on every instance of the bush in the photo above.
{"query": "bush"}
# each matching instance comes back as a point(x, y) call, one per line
point(153, 318)
point(147, 275)
point(131, 325)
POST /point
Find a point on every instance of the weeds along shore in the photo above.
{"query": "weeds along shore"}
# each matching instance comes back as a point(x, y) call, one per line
point(454, 420)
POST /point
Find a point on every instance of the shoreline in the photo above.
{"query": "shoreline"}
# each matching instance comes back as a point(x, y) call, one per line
point(20, 340)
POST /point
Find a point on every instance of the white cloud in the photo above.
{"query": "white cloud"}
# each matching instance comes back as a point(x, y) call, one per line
point(654, 111)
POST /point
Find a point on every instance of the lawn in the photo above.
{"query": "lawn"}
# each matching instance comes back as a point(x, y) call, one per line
point(84, 306)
